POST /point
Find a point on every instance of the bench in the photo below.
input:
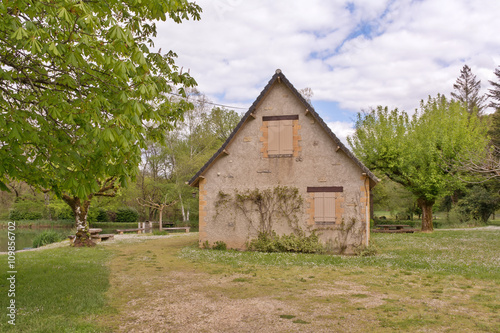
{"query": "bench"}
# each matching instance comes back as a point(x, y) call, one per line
point(178, 228)
point(103, 237)
point(138, 230)
point(95, 231)
point(393, 228)
point(97, 238)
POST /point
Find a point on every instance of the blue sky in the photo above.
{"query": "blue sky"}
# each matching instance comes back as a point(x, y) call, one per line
point(353, 54)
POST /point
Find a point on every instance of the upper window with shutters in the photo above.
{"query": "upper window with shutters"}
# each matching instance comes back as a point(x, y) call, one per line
point(280, 136)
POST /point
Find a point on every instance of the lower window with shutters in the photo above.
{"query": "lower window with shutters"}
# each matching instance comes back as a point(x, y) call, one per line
point(324, 203)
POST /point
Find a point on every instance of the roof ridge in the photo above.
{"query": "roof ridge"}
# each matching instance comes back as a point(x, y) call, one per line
point(279, 76)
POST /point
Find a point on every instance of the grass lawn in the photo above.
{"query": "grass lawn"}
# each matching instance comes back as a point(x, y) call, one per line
point(447, 281)
point(57, 290)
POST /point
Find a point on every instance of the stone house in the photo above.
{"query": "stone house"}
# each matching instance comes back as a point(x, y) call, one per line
point(283, 170)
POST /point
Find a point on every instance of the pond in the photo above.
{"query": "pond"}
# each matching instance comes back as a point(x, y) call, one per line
point(25, 236)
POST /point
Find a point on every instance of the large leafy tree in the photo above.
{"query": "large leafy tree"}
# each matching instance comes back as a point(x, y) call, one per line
point(414, 150)
point(81, 92)
point(467, 90)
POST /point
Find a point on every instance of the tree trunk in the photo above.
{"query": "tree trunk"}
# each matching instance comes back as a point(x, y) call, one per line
point(426, 206)
point(80, 209)
point(182, 209)
point(160, 222)
point(47, 203)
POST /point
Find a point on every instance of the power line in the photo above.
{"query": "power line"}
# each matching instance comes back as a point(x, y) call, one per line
point(207, 102)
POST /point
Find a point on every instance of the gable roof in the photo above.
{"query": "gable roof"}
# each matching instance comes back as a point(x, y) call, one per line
point(280, 77)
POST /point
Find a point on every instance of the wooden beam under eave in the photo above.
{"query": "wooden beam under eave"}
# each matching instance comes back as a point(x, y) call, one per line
point(253, 115)
point(338, 148)
point(225, 152)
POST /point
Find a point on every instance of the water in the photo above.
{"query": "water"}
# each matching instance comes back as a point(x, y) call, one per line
point(25, 236)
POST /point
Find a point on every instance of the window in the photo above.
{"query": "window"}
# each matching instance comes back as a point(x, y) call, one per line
point(280, 135)
point(324, 203)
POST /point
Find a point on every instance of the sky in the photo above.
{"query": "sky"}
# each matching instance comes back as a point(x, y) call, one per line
point(352, 54)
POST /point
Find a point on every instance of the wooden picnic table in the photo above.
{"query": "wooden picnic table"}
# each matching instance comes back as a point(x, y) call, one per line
point(138, 230)
point(95, 235)
point(95, 231)
point(393, 228)
point(186, 229)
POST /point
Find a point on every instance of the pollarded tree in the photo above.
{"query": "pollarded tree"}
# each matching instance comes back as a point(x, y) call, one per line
point(80, 93)
point(412, 150)
point(467, 89)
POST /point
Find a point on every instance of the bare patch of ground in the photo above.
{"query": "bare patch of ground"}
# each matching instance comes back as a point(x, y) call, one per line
point(154, 290)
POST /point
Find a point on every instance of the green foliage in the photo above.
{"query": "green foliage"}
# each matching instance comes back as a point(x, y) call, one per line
point(102, 215)
point(60, 211)
point(366, 251)
point(479, 203)
point(416, 151)
point(286, 243)
point(220, 122)
point(219, 245)
point(92, 215)
point(114, 225)
point(26, 210)
point(494, 130)
point(81, 92)
point(412, 150)
point(494, 93)
point(127, 214)
point(16, 215)
point(393, 197)
point(46, 237)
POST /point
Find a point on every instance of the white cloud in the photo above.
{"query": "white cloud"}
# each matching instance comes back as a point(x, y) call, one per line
point(404, 50)
point(342, 130)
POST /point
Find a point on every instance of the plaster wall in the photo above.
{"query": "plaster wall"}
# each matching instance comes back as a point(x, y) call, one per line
point(316, 162)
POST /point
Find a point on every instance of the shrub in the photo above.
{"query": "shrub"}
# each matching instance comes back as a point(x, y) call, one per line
point(127, 214)
point(366, 251)
point(102, 216)
point(17, 215)
point(32, 216)
point(220, 245)
point(111, 216)
point(286, 243)
point(46, 237)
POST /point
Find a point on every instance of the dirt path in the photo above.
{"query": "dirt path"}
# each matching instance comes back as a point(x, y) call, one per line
point(488, 228)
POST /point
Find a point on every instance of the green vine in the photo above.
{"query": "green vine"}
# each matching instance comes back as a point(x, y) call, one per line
point(281, 202)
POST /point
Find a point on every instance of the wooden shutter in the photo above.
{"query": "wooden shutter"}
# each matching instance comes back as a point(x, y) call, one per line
point(319, 207)
point(286, 137)
point(329, 207)
point(273, 137)
point(324, 207)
